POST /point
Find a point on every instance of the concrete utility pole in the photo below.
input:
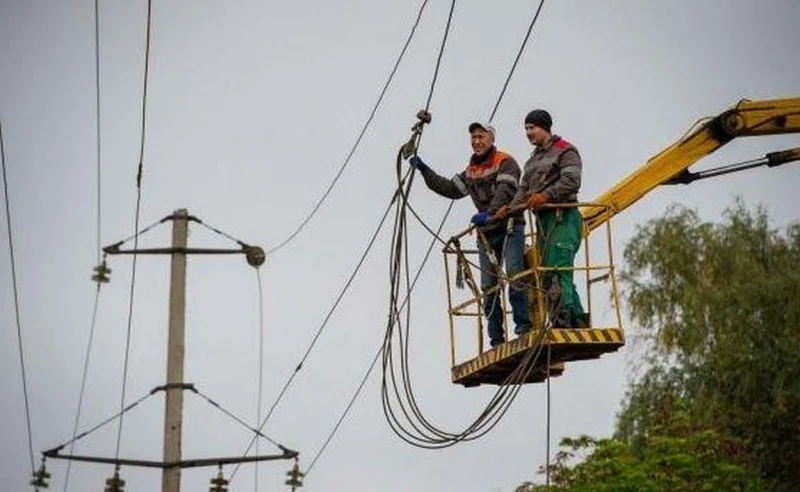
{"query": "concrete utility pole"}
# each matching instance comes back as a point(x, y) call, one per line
point(172, 462)
point(173, 416)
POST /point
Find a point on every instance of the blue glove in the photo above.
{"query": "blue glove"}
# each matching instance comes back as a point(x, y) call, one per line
point(418, 163)
point(480, 219)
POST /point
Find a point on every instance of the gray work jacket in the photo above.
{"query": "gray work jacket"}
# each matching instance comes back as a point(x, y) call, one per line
point(553, 170)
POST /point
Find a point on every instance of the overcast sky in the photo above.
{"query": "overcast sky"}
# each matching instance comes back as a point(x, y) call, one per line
point(252, 106)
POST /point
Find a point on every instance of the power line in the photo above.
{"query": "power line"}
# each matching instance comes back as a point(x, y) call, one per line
point(108, 420)
point(528, 363)
point(425, 259)
point(136, 226)
point(16, 300)
point(321, 327)
point(380, 226)
point(439, 57)
point(499, 98)
point(346, 411)
point(516, 60)
point(260, 363)
point(99, 235)
point(547, 439)
point(385, 215)
point(360, 135)
point(144, 91)
point(82, 390)
point(377, 354)
point(97, 126)
point(421, 432)
point(241, 421)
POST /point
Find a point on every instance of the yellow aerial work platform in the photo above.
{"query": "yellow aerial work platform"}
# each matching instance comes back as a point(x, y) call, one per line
point(497, 365)
point(524, 359)
point(501, 364)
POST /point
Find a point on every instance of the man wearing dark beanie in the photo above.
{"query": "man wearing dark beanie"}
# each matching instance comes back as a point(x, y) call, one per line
point(552, 174)
point(491, 178)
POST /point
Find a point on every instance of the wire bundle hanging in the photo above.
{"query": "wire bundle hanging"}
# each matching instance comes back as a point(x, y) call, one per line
point(400, 408)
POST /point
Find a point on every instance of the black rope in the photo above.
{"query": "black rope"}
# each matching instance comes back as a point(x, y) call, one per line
point(359, 138)
point(516, 60)
point(16, 300)
point(82, 391)
point(136, 227)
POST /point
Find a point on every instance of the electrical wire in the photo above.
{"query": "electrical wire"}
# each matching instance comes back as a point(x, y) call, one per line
point(82, 391)
point(516, 59)
point(108, 420)
point(136, 227)
point(440, 55)
point(416, 429)
point(152, 392)
point(547, 439)
point(321, 328)
point(419, 431)
point(97, 120)
point(361, 134)
point(346, 411)
point(99, 235)
point(375, 358)
point(408, 175)
point(221, 233)
point(398, 258)
point(141, 232)
point(16, 300)
point(399, 222)
point(260, 391)
point(240, 420)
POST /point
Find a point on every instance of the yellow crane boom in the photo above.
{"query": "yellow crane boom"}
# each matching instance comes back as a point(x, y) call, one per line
point(747, 118)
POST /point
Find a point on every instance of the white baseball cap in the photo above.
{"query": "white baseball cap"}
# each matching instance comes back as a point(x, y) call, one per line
point(483, 126)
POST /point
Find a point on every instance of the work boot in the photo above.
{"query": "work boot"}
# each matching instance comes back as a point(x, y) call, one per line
point(520, 330)
point(497, 341)
point(582, 320)
point(563, 320)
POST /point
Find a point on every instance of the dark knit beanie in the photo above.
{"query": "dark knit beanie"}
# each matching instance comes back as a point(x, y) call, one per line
point(540, 118)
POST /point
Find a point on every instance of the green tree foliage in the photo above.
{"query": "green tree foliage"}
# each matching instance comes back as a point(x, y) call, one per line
point(716, 402)
point(701, 461)
point(721, 305)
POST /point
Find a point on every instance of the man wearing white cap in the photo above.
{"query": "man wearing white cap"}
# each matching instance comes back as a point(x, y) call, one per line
point(491, 179)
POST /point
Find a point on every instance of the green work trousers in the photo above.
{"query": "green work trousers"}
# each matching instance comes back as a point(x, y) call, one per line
point(560, 232)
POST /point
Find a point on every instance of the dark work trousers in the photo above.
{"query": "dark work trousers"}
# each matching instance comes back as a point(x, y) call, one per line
point(514, 245)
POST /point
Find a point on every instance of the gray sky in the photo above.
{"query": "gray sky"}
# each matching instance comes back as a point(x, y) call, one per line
point(252, 107)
